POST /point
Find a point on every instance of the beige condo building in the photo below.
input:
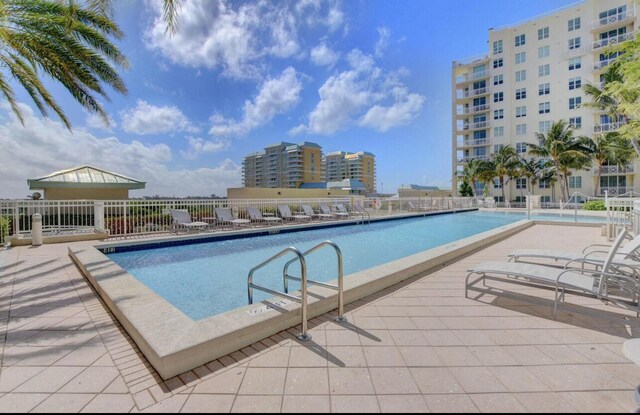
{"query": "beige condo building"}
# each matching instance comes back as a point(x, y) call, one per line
point(532, 76)
point(341, 165)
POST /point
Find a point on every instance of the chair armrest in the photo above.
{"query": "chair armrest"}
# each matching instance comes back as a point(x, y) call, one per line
point(594, 245)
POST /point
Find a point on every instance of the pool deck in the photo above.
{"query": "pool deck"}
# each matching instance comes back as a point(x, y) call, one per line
point(419, 346)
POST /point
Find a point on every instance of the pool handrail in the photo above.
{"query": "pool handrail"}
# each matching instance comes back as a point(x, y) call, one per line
point(304, 336)
point(340, 287)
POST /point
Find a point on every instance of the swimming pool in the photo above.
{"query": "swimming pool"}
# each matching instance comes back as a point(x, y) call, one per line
point(205, 279)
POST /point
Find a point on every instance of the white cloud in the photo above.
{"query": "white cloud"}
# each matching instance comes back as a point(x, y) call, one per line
point(365, 96)
point(236, 37)
point(150, 119)
point(96, 122)
point(383, 40)
point(276, 96)
point(322, 55)
point(42, 146)
point(199, 146)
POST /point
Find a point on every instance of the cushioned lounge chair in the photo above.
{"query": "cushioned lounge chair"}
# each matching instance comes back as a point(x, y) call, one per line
point(225, 217)
point(308, 210)
point(285, 214)
point(598, 283)
point(256, 216)
point(181, 218)
point(324, 208)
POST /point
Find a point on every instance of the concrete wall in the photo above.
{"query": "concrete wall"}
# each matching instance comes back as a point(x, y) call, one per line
point(88, 194)
point(275, 193)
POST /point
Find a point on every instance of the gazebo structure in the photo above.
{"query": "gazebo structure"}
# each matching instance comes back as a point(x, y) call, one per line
point(85, 182)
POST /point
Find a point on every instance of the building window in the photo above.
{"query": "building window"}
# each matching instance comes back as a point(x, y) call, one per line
point(521, 57)
point(544, 89)
point(543, 33)
point(544, 184)
point(497, 63)
point(497, 184)
point(521, 129)
point(497, 147)
point(575, 182)
point(544, 126)
point(498, 131)
point(613, 15)
point(521, 148)
point(575, 63)
point(498, 114)
point(498, 97)
point(521, 112)
point(543, 51)
point(575, 102)
point(574, 24)
point(575, 83)
point(544, 70)
point(497, 47)
point(544, 108)
point(575, 122)
point(574, 43)
point(521, 75)
point(520, 40)
point(521, 183)
point(521, 93)
point(545, 199)
point(498, 79)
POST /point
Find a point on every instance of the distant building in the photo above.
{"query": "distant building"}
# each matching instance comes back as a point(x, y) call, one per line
point(283, 165)
point(353, 186)
point(415, 190)
point(85, 182)
point(341, 165)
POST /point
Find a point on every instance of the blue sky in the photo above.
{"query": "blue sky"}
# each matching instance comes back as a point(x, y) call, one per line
point(348, 75)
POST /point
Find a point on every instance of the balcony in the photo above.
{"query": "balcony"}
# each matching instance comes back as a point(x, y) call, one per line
point(472, 77)
point(473, 110)
point(474, 126)
point(614, 20)
point(601, 43)
point(615, 191)
point(474, 143)
point(603, 64)
point(472, 93)
point(466, 159)
point(604, 128)
point(606, 170)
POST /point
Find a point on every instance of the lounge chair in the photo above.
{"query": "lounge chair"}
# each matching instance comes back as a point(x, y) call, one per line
point(598, 283)
point(309, 212)
point(181, 218)
point(256, 216)
point(324, 208)
point(341, 209)
point(414, 207)
point(225, 217)
point(285, 214)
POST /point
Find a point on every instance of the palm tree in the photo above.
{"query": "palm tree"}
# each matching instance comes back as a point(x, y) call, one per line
point(600, 147)
point(169, 11)
point(529, 169)
point(564, 151)
point(64, 40)
point(474, 171)
point(504, 162)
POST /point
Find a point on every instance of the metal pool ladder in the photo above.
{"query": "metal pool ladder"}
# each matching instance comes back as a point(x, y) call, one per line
point(302, 300)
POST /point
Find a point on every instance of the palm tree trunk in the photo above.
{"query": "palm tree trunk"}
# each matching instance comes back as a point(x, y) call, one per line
point(636, 145)
point(502, 188)
point(595, 193)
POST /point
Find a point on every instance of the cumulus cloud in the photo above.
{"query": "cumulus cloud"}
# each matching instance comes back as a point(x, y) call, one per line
point(199, 146)
point(150, 119)
point(364, 95)
point(42, 146)
point(236, 37)
point(276, 96)
point(322, 55)
point(383, 41)
point(96, 122)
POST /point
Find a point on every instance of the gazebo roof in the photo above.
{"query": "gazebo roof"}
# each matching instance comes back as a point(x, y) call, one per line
point(85, 177)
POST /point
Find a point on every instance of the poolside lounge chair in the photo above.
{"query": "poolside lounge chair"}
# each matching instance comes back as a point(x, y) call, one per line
point(181, 218)
point(598, 283)
point(341, 209)
point(225, 217)
point(285, 214)
point(256, 216)
point(324, 208)
point(309, 212)
point(414, 207)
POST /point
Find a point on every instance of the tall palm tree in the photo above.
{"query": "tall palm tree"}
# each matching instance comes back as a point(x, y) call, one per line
point(529, 169)
point(564, 151)
point(600, 148)
point(170, 11)
point(504, 162)
point(474, 171)
point(64, 40)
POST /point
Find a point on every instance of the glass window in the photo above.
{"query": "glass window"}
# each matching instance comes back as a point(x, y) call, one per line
point(575, 63)
point(521, 93)
point(613, 15)
point(544, 184)
point(544, 70)
point(498, 131)
point(497, 63)
point(521, 111)
point(575, 83)
point(574, 24)
point(543, 33)
point(521, 75)
point(498, 114)
point(521, 57)
point(521, 183)
point(497, 147)
point(498, 79)
point(575, 122)
point(498, 96)
point(544, 108)
point(520, 40)
point(544, 89)
point(497, 185)
point(521, 129)
point(574, 43)
point(575, 182)
point(544, 126)
point(543, 51)
point(575, 102)
point(521, 147)
point(497, 47)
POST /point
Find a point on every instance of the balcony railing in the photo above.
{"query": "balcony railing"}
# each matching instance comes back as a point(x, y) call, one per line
point(471, 110)
point(473, 93)
point(603, 64)
point(474, 143)
point(603, 128)
point(472, 76)
point(615, 169)
point(610, 20)
point(618, 190)
point(466, 159)
point(601, 43)
point(474, 126)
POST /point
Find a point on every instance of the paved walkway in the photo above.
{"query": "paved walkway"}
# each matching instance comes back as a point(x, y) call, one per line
point(417, 347)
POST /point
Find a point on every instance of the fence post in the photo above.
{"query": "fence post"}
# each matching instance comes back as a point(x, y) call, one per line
point(126, 208)
point(98, 214)
point(16, 225)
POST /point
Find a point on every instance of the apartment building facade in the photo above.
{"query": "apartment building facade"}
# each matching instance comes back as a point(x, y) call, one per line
point(531, 77)
point(283, 165)
point(341, 165)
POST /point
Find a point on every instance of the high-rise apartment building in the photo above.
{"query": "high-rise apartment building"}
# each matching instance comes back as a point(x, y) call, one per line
point(283, 165)
point(340, 165)
point(532, 76)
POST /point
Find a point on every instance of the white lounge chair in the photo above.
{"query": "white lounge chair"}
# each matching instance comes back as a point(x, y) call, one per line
point(342, 210)
point(225, 217)
point(285, 214)
point(256, 216)
point(324, 208)
point(181, 218)
point(597, 283)
point(308, 210)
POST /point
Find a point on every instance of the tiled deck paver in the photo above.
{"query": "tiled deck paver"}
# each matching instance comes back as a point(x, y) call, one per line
point(417, 347)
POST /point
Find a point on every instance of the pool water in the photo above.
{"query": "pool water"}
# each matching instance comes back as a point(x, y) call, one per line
point(209, 278)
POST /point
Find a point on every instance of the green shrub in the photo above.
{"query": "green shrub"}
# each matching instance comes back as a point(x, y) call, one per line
point(594, 205)
point(4, 227)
